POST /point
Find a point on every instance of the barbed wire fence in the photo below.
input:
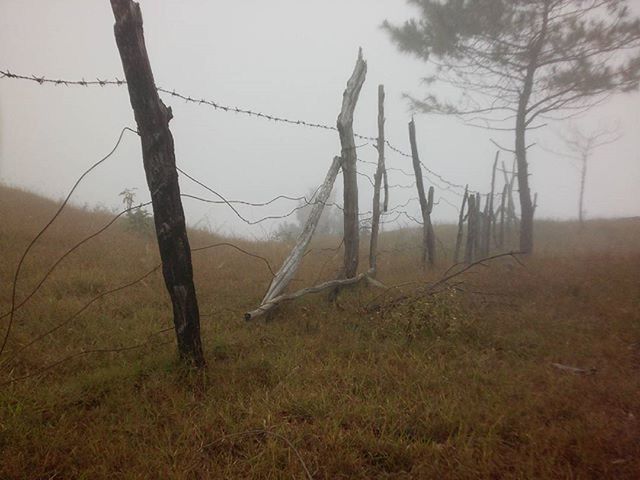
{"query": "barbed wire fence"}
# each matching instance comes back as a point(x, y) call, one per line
point(392, 215)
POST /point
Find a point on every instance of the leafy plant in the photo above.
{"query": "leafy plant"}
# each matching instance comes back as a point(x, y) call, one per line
point(138, 219)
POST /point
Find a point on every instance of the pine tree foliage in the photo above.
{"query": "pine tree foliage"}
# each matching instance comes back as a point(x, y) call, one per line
point(523, 61)
point(574, 52)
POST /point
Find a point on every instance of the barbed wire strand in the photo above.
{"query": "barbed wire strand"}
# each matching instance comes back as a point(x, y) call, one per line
point(46, 227)
point(41, 80)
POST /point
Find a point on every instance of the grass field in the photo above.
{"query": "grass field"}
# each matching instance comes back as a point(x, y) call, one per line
point(454, 385)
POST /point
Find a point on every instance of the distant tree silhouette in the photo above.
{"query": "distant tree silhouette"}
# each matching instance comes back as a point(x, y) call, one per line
point(581, 145)
point(522, 61)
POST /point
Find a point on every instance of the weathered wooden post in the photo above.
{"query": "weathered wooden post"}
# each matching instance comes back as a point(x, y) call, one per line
point(491, 228)
point(349, 168)
point(375, 221)
point(424, 204)
point(485, 229)
point(456, 255)
point(472, 223)
point(152, 118)
point(431, 236)
point(505, 192)
point(512, 203)
point(478, 227)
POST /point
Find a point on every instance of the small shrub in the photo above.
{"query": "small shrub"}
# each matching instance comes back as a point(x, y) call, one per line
point(138, 219)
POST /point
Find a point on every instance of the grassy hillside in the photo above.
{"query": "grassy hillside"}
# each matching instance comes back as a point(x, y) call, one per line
point(454, 385)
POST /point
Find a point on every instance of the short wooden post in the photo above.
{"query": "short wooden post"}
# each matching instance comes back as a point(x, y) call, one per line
point(469, 255)
point(477, 238)
point(491, 228)
point(505, 192)
point(485, 228)
point(152, 118)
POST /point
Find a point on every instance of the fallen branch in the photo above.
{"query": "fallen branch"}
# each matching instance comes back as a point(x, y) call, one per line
point(576, 370)
point(432, 288)
point(267, 306)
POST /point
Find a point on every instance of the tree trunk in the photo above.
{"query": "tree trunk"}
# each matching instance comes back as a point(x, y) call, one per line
point(152, 118)
point(349, 168)
point(526, 206)
point(583, 181)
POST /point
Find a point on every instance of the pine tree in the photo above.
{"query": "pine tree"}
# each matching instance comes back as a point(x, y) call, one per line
point(522, 61)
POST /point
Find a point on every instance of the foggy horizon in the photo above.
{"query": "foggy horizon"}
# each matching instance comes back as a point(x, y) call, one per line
point(285, 59)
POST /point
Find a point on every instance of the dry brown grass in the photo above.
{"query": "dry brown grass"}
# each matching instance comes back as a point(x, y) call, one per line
point(458, 385)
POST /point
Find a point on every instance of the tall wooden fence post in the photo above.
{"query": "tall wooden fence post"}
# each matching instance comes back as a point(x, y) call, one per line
point(349, 168)
point(152, 118)
point(375, 221)
point(424, 204)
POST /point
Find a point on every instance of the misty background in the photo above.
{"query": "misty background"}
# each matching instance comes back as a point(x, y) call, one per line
point(286, 58)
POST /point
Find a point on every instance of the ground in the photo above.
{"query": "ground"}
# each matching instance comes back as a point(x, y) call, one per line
point(402, 383)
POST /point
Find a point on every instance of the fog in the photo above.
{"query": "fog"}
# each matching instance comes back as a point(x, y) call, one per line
point(286, 58)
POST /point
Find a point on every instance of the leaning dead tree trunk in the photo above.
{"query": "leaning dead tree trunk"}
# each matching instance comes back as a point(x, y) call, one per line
point(291, 264)
point(456, 255)
point(375, 221)
point(348, 161)
point(349, 168)
point(152, 118)
point(425, 206)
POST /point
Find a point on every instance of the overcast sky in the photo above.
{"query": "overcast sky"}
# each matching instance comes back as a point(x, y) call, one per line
point(290, 58)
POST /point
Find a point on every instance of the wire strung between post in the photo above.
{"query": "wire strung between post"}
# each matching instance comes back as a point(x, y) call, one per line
point(46, 227)
point(42, 80)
